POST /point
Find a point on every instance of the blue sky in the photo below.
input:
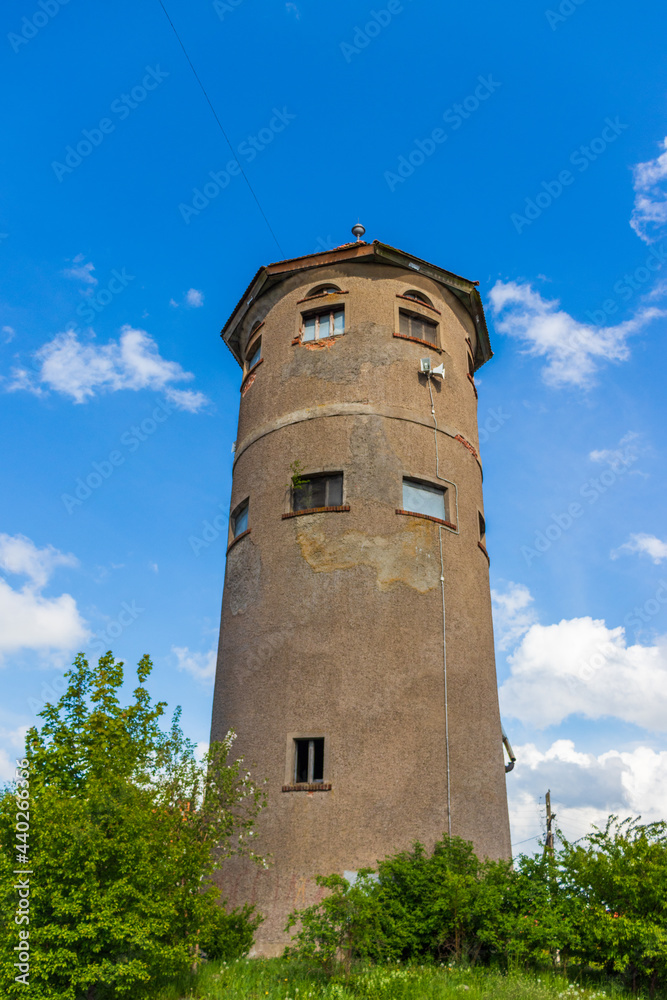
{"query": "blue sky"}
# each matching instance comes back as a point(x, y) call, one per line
point(517, 144)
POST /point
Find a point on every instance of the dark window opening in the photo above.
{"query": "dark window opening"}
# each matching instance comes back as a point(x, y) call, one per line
point(422, 498)
point(318, 491)
point(317, 326)
point(254, 355)
point(417, 296)
point(308, 761)
point(471, 366)
point(411, 325)
point(323, 290)
point(240, 519)
point(482, 527)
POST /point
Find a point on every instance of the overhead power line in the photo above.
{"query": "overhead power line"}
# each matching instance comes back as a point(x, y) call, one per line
point(220, 125)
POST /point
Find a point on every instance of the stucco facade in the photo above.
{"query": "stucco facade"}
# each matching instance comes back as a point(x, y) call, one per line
point(332, 622)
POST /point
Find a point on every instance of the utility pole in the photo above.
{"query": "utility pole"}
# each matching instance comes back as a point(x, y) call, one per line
point(549, 843)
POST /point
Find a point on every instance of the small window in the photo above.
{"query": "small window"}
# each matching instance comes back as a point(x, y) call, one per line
point(323, 290)
point(308, 761)
point(240, 519)
point(318, 491)
point(411, 325)
point(422, 498)
point(254, 354)
point(482, 528)
point(417, 296)
point(329, 323)
point(471, 366)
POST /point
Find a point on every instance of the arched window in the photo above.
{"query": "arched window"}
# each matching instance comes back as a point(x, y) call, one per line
point(323, 290)
point(417, 296)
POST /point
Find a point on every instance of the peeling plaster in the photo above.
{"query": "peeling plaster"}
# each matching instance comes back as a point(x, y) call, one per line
point(408, 556)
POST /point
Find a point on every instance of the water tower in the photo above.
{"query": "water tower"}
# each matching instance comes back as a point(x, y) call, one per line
point(356, 659)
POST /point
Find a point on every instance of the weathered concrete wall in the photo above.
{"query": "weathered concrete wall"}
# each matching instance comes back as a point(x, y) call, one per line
point(332, 624)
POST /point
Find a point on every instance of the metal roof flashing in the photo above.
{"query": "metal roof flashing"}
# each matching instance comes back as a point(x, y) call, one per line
point(271, 274)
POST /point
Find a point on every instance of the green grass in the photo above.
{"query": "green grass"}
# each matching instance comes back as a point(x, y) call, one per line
point(287, 979)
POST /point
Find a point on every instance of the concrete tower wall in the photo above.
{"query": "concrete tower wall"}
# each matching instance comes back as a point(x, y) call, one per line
point(332, 623)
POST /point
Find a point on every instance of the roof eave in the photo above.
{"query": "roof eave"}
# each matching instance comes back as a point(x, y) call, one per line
point(465, 290)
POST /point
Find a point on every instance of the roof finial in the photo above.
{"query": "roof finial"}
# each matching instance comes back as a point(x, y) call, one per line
point(358, 231)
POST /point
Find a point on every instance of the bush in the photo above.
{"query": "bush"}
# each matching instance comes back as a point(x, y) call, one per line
point(600, 902)
point(228, 936)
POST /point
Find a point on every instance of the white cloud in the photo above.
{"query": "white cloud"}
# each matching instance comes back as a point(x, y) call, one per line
point(581, 667)
point(28, 620)
point(13, 745)
point(512, 614)
point(649, 213)
point(628, 451)
point(20, 555)
point(585, 788)
point(643, 544)
point(80, 370)
point(293, 9)
point(200, 665)
point(8, 334)
point(80, 271)
point(573, 350)
point(194, 298)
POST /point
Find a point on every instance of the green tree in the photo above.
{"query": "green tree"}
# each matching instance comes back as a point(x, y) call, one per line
point(615, 881)
point(126, 831)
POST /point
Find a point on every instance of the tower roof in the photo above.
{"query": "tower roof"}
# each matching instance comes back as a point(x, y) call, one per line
point(271, 274)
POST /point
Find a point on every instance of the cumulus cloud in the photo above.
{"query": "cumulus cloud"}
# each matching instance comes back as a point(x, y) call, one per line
point(82, 370)
point(573, 350)
point(512, 614)
point(194, 298)
point(581, 667)
point(28, 619)
point(649, 213)
point(80, 271)
point(12, 746)
point(20, 555)
point(643, 544)
point(585, 788)
point(200, 665)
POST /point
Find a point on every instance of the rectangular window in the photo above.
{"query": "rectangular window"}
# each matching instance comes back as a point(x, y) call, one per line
point(308, 761)
point(422, 498)
point(254, 355)
point(240, 519)
point(318, 491)
point(329, 323)
point(411, 325)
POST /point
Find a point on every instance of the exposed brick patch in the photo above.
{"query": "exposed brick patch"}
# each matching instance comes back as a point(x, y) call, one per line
point(472, 382)
point(416, 302)
point(483, 548)
point(238, 538)
point(297, 340)
point(324, 342)
point(466, 444)
point(417, 340)
point(315, 786)
point(427, 517)
point(250, 377)
point(317, 510)
point(322, 295)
